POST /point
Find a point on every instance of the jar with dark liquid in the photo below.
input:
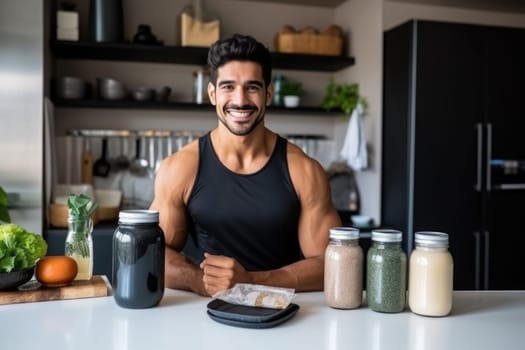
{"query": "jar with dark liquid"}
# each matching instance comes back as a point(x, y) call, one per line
point(138, 259)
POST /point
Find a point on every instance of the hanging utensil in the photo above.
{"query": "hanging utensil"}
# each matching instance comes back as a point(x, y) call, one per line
point(102, 166)
point(122, 161)
point(139, 166)
point(87, 163)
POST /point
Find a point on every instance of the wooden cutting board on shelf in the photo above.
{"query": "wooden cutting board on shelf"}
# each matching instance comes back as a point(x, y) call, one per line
point(96, 287)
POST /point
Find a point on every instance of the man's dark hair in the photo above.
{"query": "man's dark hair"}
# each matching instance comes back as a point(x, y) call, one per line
point(239, 48)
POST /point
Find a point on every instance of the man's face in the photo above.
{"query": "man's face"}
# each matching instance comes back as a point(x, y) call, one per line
point(240, 96)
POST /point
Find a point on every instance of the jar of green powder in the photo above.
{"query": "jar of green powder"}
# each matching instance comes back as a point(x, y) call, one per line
point(386, 272)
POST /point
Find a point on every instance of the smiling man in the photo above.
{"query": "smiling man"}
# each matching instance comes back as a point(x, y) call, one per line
point(257, 208)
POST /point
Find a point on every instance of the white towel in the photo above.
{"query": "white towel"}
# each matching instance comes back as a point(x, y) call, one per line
point(354, 147)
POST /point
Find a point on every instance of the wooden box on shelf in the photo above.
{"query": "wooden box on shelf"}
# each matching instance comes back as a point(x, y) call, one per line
point(312, 44)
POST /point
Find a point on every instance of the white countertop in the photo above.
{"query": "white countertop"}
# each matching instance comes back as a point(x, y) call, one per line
point(479, 320)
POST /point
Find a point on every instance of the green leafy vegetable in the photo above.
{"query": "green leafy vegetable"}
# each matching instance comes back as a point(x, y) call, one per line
point(4, 212)
point(19, 249)
point(81, 208)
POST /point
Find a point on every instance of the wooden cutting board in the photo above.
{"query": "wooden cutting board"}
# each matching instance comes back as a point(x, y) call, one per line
point(96, 287)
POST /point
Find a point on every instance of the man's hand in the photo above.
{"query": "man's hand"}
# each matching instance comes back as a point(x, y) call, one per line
point(221, 272)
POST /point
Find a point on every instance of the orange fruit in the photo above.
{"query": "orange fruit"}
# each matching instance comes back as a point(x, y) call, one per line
point(56, 271)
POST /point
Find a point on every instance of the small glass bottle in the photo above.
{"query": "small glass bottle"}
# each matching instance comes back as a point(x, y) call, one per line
point(430, 281)
point(79, 244)
point(386, 272)
point(201, 78)
point(277, 99)
point(343, 273)
point(138, 259)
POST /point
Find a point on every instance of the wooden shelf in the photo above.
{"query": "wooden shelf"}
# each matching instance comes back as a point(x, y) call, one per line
point(185, 55)
point(189, 106)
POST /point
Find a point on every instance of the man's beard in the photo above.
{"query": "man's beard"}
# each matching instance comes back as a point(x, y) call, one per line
point(243, 132)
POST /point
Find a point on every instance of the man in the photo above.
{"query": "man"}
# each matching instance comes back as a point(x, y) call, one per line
point(256, 206)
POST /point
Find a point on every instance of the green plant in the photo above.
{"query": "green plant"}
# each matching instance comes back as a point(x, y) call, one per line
point(81, 208)
point(4, 212)
point(342, 96)
point(19, 249)
point(291, 88)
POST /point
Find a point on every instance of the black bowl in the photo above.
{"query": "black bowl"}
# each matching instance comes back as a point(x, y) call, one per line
point(15, 278)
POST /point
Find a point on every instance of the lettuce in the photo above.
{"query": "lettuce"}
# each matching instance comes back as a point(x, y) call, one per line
point(19, 249)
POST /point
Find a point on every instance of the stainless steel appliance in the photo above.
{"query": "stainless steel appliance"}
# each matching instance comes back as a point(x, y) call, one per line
point(21, 109)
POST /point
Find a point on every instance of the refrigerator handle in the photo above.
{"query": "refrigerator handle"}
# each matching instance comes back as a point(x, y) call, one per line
point(486, 263)
point(477, 260)
point(479, 140)
point(489, 156)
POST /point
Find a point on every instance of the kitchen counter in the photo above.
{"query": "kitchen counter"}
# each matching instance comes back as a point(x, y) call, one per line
point(479, 320)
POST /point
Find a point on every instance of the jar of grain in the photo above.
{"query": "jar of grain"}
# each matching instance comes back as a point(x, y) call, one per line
point(430, 275)
point(386, 272)
point(343, 273)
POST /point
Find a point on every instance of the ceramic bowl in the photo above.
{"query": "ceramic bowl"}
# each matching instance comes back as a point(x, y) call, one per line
point(71, 88)
point(361, 220)
point(109, 202)
point(291, 101)
point(15, 278)
point(143, 94)
point(111, 89)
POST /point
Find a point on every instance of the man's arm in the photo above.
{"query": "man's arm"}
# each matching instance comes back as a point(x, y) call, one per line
point(317, 216)
point(172, 186)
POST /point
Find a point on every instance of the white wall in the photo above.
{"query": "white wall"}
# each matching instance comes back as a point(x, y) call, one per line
point(363, 18)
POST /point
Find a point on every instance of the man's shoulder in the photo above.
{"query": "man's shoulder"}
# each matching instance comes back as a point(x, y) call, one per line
point(183, 162)
point(303, 169)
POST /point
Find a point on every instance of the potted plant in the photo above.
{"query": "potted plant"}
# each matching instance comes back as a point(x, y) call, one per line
point(291, 91)
point(342, 96)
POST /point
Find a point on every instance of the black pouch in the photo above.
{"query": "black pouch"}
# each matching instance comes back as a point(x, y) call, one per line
point(249, 316)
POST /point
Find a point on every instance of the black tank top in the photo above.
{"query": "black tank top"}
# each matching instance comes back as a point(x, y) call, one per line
point(252, 218)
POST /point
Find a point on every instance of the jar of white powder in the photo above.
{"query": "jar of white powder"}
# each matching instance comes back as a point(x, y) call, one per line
point(430, 275)
point(343, 273)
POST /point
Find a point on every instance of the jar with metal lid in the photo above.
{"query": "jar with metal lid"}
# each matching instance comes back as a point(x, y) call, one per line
point(343, 270)
point(138, 259)
point(386, 272)
point(201, 78)
point(430, 281)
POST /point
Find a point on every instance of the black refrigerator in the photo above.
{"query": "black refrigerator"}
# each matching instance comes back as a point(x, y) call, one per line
point(453, 145)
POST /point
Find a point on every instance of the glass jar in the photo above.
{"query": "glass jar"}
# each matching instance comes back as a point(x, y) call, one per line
point(277, 99)
point(138, 259)
point(79, 245)
point(343, 270)
point(201, 78)
point(386, 272)
point(430, 275)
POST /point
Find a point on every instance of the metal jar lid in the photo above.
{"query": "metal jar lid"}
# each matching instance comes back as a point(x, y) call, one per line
point(387, 235)
point(138, 216)
point(344, 233)
point(432, 239)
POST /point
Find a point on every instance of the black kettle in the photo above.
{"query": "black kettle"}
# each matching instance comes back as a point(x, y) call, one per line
point(105, 21)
